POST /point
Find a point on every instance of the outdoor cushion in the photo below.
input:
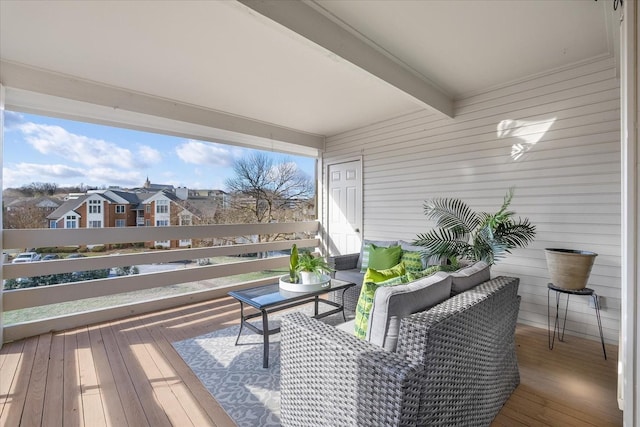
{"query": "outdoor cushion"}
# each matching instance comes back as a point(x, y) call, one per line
point(354, 276)
point(372, 280)
point(363, 260)
point(468, 277)
point(381, 258)
point(391, 304)
point(427, 259)
point(412, 261)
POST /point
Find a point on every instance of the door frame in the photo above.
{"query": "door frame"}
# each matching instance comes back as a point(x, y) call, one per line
point(324, 224)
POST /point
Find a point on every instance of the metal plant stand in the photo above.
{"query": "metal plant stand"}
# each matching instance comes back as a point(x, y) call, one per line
point(556, 326)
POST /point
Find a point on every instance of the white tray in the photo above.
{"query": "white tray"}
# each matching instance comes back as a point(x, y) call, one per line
point(285, 284)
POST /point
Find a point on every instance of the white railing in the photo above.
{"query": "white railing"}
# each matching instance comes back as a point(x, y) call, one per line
point(44, 295)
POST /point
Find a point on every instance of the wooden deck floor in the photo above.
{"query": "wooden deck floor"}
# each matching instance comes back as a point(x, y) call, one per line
point(126, 373)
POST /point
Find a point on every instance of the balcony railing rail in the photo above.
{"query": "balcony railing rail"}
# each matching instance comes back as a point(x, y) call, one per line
point(44, 295)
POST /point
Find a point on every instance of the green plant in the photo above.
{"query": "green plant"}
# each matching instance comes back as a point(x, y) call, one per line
point(474, 236)
point(313, 264)
point(293, 264)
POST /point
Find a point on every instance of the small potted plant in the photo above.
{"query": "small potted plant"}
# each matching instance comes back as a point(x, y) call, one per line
point(311, 268)
point(293, 264)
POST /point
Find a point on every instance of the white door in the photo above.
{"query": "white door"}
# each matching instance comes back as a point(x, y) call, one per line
point(344, 207)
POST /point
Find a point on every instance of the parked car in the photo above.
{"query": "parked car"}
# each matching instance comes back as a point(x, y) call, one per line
point(76, 256)
point(26, 257)
point(49, 257)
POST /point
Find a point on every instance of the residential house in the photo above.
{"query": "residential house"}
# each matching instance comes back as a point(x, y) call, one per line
point(119, 208)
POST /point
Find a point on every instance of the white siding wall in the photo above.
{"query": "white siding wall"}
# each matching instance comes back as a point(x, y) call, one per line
point(565, 126)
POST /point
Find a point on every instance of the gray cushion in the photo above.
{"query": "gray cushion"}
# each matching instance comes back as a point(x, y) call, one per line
point(350, 276)
point(468, 277)
point(347, 326)
point(379, 243)
point(392, 303)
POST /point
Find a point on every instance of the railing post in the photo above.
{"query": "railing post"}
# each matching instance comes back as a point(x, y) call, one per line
point(2, 95)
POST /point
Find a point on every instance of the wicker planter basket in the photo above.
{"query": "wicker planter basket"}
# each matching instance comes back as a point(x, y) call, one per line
point(568, 268)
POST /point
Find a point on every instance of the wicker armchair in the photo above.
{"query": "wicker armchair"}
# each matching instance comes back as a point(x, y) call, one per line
point(341, 264)
point(455, 365)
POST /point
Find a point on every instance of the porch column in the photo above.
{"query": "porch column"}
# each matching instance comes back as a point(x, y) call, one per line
point(629, 349)
point(1, 210)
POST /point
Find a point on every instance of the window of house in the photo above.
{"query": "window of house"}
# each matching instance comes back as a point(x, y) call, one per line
point(95, 224)
point(121, 223)
point(162, 223)
point(71, 221)
point(162, 206)
point(119, 209)
point(95, 206)
point(53, 224)
point(185, 220)
point(147, 222)
point(148, 208)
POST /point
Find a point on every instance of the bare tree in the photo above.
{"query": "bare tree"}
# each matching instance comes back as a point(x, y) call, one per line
point(265, 190)
point(25, 216)
point(39, 188)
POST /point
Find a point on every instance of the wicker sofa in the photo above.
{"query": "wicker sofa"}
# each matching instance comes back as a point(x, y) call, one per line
point(348, 267)
point(454, 365)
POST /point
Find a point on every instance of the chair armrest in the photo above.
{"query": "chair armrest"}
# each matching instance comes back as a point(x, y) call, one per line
point(331, 378)
point(343, 262)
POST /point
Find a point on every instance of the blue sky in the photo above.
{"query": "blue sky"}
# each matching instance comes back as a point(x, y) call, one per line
point(45, 149)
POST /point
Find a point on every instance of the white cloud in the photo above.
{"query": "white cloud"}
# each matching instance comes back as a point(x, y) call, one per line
point(25, 173)
point(148, 155)
point(55, 140)
point(205, 153)
point(110, 176)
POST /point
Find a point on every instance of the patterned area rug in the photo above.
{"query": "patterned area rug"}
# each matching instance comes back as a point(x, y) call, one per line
point(234, 374)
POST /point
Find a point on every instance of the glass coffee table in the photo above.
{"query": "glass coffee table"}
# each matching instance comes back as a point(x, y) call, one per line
point(270, 299)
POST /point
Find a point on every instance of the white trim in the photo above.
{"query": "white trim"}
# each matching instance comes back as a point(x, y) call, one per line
point(325, 196)
point(38, 91)
point(2, 97)
point(628, 396)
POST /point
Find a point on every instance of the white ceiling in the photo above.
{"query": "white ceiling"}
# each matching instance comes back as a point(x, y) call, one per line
point(227, 57)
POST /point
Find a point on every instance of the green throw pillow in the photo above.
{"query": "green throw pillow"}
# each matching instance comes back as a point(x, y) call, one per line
point(412, 261)
point(381, 258)
point(372, 280)
point(365, 255)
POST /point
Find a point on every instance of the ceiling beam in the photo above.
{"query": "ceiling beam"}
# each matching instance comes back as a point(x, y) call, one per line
point(314, 26)
point(73, 98)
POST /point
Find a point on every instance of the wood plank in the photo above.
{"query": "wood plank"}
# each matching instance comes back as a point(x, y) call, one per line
point(198, 390)
point(131, 404)
point(151, 405)
point(92, 410)
point(34, 400)
point(112, 405)
point(193, 410)
point(54, 396)
point(72, 415)
point(17, 391)
point(161, 385)
point(10, 359)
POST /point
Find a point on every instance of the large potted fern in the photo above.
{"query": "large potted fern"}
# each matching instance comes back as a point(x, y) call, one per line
point(463, 234)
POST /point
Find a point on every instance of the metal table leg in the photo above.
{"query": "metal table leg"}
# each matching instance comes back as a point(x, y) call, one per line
point(596, 303)
point(265, 334)
point(241, 321)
